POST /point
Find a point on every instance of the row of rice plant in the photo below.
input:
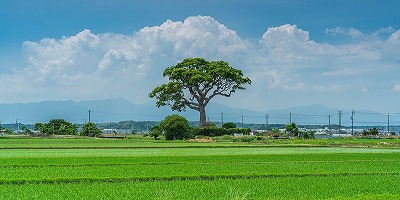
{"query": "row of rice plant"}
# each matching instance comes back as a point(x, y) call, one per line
point(47, 143)
point(310, 187)
point(212, 172)
point(61, 158)
point(210, 166)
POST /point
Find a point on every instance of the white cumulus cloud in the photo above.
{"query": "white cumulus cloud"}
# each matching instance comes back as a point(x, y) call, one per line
point(285, 60)
point(397, 87)
point(352, 32)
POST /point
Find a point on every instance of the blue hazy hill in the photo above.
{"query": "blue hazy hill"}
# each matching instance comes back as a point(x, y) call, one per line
point(119, 109)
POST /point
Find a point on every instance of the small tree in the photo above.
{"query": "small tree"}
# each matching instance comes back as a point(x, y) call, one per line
point(292, 128)
point(155, 132)
point(228, 125)
point(175, 127)
point(26, 130)
point(94, 131)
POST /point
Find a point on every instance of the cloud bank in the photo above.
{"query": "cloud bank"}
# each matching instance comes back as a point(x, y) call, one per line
point(287, 67)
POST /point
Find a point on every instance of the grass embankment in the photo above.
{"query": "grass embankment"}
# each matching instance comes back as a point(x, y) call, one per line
point(148, 169)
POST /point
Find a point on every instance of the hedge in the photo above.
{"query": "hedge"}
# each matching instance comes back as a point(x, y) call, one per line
point(214, 131)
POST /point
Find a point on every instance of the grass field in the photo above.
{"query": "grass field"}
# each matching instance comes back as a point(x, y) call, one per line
point(149, 169)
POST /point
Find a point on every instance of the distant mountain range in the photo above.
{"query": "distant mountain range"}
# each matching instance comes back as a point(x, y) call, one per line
point(119, 109)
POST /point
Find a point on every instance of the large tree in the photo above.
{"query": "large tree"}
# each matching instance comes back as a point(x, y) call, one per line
point(195, 81)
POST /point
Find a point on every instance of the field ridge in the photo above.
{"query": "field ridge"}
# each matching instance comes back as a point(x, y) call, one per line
point(191, 177)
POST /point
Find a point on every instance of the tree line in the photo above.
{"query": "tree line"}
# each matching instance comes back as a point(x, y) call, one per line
point(62, 127)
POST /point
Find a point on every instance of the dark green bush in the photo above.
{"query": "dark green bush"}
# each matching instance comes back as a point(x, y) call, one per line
point(229, 125)
point(210, 124)
point(210, 131)
point(214, 131)
point(176, 127)
point(373, 131)
point(260, 137)
point(243, 138)
point(247, 138)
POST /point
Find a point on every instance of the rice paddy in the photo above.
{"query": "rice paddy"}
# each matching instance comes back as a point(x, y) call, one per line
point(139, 169)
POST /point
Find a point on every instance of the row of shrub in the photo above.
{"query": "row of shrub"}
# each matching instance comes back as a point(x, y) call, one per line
point(215, 131)
point(175, 127)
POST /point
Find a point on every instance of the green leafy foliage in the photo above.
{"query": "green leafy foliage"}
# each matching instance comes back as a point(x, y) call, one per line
point(210, 131)
point(90, 129)
point(57, 127)
point(26, 130)
point(210, 124)
point(38, 126)
point(155, 131)
point(195, 81)
point(372, 131)
point(176, 127)
point(214, 131)
point(229, 125)
point(307, 134)
point(292, 128)
point(244, 138)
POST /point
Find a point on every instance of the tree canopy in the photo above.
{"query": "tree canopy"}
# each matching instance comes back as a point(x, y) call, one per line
point(175, 127)
point(57, 127)
point(94, 131)
point(292, 128)
point(372, 131)
point(229, 125)
point(155, 132)
point(195, 81)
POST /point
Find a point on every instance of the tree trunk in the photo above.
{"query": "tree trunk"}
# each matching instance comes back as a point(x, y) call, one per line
point(202, 110)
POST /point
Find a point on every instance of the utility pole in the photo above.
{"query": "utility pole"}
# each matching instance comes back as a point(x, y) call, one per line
point(266, 121)
point(89, 124)
point(340, 120)
point(329, 124)
point(352, 122)
point(290, 118)
point(242, 121)
point(388, 129)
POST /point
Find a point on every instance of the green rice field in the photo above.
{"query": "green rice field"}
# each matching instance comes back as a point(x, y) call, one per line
point(149, 169)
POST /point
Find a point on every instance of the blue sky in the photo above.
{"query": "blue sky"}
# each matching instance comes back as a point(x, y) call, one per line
point(343, 54)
